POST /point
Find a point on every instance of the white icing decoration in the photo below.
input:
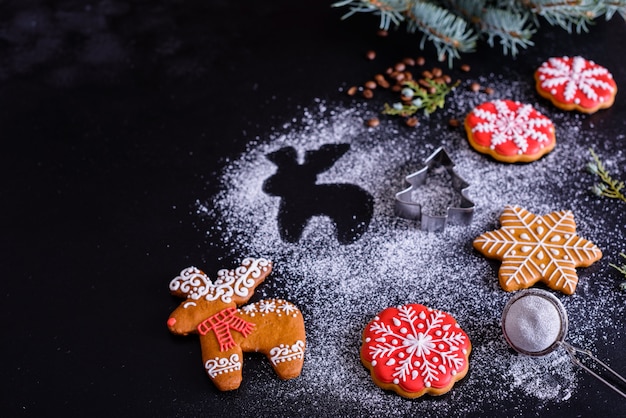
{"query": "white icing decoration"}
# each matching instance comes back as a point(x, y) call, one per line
point(576, 77)
point(270, 306)
point(561, 257)
point(195, 284)
point(220, 365)
point(420, 350)
point(285, 352)
point(525, 236)
point(191, 282)
point(507, 125)
point(267, 306)
point(188, 304)
point(540, 230)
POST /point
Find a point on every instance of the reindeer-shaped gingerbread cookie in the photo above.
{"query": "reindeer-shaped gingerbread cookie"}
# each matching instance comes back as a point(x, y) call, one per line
point(273, 327)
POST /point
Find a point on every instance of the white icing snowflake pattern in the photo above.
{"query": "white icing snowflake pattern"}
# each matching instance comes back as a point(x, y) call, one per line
point(287, 308)
point(268, 306)
point(249, 309)
point(575, 75)
point(421, 345)
point(514, 122)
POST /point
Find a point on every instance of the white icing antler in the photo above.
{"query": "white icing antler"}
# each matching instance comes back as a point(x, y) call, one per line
point(238, 282)
point(194, 284)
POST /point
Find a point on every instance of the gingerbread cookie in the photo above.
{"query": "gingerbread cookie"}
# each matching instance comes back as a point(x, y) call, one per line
point(510, 131)
point(576, 84)
point(537, 248)
point(273, 327)
point(414, 350)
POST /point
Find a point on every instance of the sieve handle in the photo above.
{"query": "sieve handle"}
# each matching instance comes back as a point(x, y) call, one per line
point(572, 351)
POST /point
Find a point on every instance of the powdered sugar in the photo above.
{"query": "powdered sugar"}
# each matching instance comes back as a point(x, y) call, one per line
point(341, 287)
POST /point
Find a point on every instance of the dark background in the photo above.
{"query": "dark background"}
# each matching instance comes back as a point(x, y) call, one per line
point(115, 116)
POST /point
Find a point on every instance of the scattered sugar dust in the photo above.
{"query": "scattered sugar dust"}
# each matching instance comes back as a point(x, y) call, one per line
point(341, 287)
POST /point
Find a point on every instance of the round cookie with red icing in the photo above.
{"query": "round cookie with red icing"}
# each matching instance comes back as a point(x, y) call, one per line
point(414, 350)
point(510, 131)
point(576, 84)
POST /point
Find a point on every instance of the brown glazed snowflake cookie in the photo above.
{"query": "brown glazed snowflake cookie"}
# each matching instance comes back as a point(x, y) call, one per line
point(537, 248)
point(510, 131)
point(576, 84)
point(414, 350)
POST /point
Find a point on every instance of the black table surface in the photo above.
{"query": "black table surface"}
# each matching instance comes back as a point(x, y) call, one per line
point(115, 118)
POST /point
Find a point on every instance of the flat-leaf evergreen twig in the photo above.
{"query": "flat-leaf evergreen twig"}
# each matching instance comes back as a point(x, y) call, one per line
point(609, 187)
point(621, 269)
point(430, 97)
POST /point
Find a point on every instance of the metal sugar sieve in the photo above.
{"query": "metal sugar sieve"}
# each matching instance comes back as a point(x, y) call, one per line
point(534, 323)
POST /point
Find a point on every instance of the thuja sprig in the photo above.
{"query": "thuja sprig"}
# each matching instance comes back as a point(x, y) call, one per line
point(426, 94)
point(621, 269)
point(608, 187)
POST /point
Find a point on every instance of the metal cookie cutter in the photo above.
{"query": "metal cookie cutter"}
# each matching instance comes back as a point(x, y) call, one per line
point(408, 208)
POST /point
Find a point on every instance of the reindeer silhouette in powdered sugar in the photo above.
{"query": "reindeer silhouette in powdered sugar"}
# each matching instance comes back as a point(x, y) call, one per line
point(273, 327)
point(349, 206)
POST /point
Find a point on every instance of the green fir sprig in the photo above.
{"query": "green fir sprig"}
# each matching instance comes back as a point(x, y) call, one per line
point(430, 96)
point(608, 187)
point(621, 269)
point(454, 26)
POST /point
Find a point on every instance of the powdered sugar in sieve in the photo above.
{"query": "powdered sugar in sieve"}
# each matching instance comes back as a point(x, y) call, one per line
point(534, 322)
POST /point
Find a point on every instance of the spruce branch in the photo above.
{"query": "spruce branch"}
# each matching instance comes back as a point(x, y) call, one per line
point(454, 26)
point(567, 13)
point(609, 187)
point(449, 33)
point(615, 6)
point(390, 11)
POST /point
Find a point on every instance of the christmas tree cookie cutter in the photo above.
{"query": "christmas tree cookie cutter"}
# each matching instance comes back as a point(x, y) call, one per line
point(459, 212)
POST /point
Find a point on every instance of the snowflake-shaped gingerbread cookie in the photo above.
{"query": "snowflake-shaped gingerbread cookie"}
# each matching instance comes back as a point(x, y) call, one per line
point(575, 83)
point(414, 350)
point(537, 248)
point(510, 131)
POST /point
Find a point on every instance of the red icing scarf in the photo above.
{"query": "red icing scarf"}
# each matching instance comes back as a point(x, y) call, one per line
point(221, 323)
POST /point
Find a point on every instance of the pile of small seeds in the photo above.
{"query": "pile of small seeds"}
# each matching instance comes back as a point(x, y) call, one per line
point(406, 78)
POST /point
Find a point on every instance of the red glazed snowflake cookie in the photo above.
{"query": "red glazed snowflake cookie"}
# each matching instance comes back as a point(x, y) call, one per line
point(510, 131)
point(576, 84)
point(414, 350)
